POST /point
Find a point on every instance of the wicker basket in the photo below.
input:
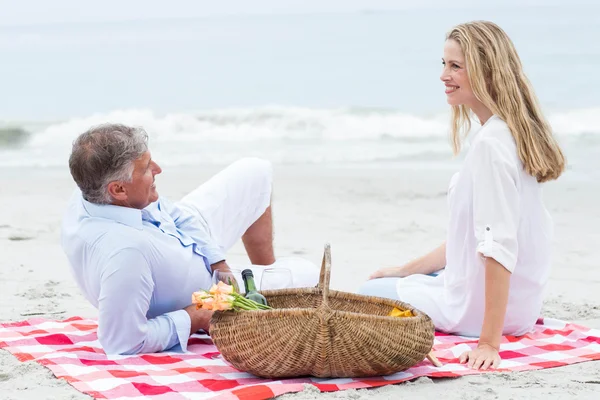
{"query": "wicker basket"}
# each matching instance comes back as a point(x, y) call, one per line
point(323, 333)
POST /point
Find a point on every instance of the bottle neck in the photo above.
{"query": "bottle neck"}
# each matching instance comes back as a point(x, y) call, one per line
point(249, 283)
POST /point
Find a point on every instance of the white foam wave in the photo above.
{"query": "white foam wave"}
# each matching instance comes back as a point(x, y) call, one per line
point(576, 122)
point(255, 124)
point(284, 134)
point(290, 123)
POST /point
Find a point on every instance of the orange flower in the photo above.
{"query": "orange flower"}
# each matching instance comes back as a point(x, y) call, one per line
point(224, 288)
point(223, 302)
point(198, 297)
point(207, 303)
point(221, 288)
point(213, 289)
point(223, 297)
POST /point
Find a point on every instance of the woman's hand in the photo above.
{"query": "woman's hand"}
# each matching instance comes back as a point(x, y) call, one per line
point(482, 357)
point(391, 272)
point(431, 262)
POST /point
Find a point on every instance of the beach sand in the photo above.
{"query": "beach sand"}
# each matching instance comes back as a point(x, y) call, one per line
point(373, 216)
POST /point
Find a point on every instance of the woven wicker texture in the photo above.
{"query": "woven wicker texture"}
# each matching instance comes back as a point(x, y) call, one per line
point(323, 333)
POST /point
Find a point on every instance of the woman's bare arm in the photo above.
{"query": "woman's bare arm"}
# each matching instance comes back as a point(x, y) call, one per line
point(427, 264)
point(497, 282)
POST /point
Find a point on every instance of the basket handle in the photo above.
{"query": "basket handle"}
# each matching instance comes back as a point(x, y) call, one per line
point(325, 274)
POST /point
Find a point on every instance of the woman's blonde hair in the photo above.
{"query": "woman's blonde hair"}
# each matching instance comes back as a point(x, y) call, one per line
point(498, 81)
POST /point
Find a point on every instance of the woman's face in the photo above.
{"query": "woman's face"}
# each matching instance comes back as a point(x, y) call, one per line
point(455, 77)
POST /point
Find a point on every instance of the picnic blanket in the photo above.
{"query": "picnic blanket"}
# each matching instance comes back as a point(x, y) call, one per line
point(70, 349)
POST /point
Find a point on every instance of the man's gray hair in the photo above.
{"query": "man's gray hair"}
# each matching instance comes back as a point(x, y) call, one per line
point(104, 154)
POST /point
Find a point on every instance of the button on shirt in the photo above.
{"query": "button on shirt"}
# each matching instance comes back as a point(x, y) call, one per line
point(139, 269)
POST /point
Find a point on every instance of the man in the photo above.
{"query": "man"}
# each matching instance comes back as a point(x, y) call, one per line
point(137, 257)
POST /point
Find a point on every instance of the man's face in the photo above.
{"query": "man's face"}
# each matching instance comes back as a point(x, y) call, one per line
point(141, 191)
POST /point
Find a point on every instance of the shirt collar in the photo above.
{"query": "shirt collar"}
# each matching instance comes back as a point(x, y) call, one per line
point(124, 215)
point(472, 136)
point(152, 212)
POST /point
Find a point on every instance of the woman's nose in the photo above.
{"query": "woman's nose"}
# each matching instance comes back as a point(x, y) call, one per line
point(444, 77)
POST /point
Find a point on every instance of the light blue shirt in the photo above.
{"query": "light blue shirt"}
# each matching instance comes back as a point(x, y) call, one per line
point(139, 268)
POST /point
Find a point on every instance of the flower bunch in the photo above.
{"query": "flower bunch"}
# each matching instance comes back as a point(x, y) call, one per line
point(222, 297)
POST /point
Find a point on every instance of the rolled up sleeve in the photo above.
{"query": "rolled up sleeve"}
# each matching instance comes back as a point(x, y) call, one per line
point(125, 296)
point(496, 208)
point(213, 254)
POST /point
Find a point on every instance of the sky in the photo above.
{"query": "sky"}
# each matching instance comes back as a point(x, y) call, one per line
point(335, 54)
point(28, 12)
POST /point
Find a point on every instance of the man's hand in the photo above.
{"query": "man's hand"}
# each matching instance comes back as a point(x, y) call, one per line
point(221, 266)
point(482, 357)
point(200, 318)
point(222, 272)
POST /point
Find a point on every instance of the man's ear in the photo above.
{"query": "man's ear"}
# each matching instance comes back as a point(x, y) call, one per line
point(117, 191)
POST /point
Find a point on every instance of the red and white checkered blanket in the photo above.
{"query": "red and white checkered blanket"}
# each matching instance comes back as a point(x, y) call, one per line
point(71, 350)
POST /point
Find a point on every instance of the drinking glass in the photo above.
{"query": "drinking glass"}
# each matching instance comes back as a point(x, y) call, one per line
point(276, 278)
point(231, 277)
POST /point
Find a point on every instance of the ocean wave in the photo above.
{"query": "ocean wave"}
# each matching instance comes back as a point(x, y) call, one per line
point(285, 123)
point(576, 122)
point(287, 134)
point(13, 136)
point(246, 125)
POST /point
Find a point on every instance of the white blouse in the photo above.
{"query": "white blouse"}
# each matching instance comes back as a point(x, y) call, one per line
point(496, 210)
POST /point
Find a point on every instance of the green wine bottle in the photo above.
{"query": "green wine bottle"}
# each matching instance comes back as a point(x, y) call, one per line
point(251, 292)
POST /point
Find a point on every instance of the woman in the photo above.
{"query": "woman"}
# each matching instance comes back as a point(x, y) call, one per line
point(496, 255)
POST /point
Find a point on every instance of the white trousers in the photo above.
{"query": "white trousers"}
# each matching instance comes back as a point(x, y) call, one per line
point(230, 202)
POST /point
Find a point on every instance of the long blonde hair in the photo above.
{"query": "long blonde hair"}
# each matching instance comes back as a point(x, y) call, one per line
point(498, 81)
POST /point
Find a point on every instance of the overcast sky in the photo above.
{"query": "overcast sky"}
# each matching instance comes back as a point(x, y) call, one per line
point(25, 12)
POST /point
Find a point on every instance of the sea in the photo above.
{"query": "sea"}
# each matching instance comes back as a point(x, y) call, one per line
point(332, 88)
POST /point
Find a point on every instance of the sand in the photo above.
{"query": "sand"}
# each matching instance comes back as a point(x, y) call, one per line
point(373, 216)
